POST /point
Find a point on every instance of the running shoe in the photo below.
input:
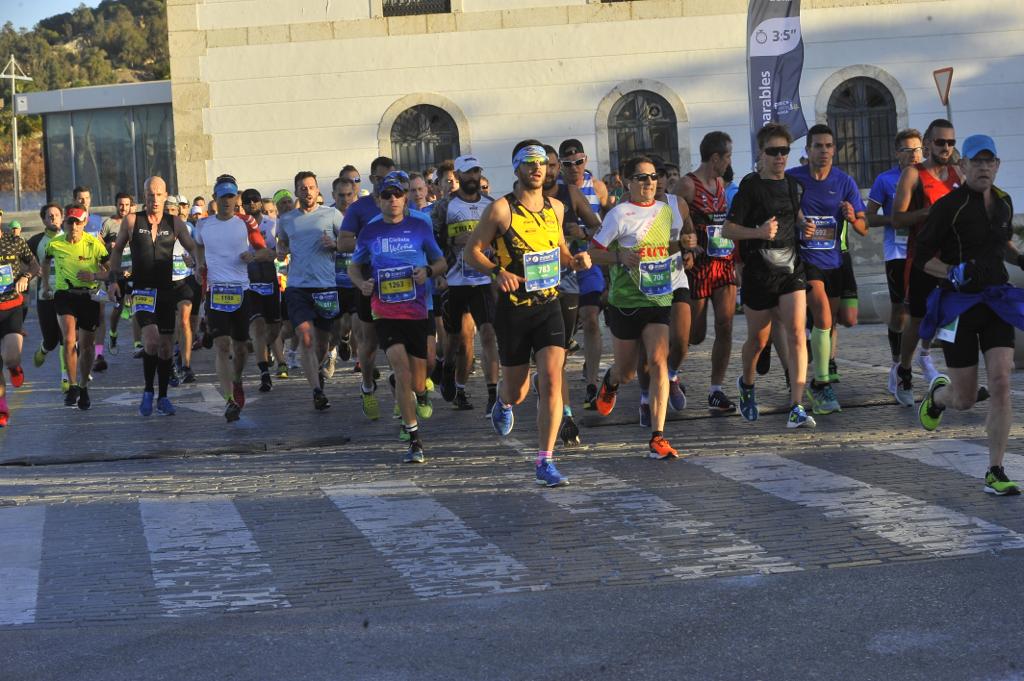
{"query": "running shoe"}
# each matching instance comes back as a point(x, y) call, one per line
point(659, 448)
point(266, 385)
point(164, 407)
point(904, 386)
point(764, 360)
point(65, 384)
point(238, 393)
point(344, 349)
point(233, 411)
point(676, 394)
point(39, 357)
point(428, 384)
point(83, 398)
point(137, 352)
point(448, 383)
point(330, 364)
point(894, 378)
point(424, 407)
point(718, 403)
point(4, 413)
point(414, 454)
point(17, 376)
point(645, 415)
point(282, 370)
point(569, 433)
point(490, 407)
point(403, 435)
point(502, 419)
point(146, 406)
point(798, 418)
point(833, 371)
point(748, 402)
point(320, 401)
point(590, 401)
point(549, 476)
point(187, 375)
point(929, 413)
point(371, 409)
point(927, 367)
point(605, 401)
point(293, 360)
point(112, 344)
point(572, 348)
point(71, 397)
point(100, 365)
point(996, 482)
point(983, 393)
point(461, 401)
point(174, 380)
point(823, 399)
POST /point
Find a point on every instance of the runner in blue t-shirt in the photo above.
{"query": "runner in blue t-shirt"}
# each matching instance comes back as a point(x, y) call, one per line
point(829, 199)
point(394, 259)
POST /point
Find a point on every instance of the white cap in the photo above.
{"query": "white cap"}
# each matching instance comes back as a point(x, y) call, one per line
point(463, 164)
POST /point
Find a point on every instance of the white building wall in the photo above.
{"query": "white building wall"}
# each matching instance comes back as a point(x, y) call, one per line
point(311, 95)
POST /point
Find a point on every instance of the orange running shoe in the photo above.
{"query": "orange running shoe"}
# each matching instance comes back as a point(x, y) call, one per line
point(17, 376)
point(605, 401)
point(3, 413)
point(661, 449)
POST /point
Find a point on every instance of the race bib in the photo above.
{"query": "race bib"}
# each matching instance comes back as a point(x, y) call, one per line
point(542, 269)
point(824, 238)
point(395, 284)
point(656, 277)
point(341, 263)
point(262, 288)
point(327, 305)
point(718, 245)
point(6, 279)
point(144, 300)
point(473, 276)
point(225, 297)
point(179, 270)
point(948, 332)
point(900, 236)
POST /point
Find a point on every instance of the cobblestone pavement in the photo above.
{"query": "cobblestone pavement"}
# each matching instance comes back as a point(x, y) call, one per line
point(187, 518)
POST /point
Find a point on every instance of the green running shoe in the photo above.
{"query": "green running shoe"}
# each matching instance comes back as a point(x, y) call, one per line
point(424, 408)
point(403, 435)
point(997, 483)
point(39, 357)
point(928, 413)
point(371, 409)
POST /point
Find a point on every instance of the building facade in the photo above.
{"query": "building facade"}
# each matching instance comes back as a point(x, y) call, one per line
point(264, 88)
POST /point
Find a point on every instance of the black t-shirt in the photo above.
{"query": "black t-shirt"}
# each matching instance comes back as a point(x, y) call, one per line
point(959, 229)
point(756, 201)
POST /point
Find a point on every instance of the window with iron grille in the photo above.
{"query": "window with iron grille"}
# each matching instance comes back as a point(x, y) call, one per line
point(422, 136)
point(642, 124)
point(862, 113)
point(403, 8)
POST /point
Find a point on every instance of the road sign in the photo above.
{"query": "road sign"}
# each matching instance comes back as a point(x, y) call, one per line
point(943, 79)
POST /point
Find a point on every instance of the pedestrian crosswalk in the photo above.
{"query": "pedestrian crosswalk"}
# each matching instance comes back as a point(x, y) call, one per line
point(203, 552)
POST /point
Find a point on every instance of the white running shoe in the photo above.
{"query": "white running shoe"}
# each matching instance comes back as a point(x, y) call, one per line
point(293, 359)
point(927, 367)
point(330, 363)
point(893, 378)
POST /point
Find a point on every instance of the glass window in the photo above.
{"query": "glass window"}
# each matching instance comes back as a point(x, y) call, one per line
point(862, 113)
point(103, 153)
point(422, 136)
point(59, 180)
point(154, 145)
point(401, 8)
point(643, 123)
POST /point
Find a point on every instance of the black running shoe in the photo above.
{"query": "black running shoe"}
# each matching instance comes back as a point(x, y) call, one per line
point(983, 393)
point(232, 412)
point(320, 401)
point(71, 396)
point(591, 398)
point(266, 385)
point(187, 375)
point(718, 403)
point(569, 433)
point(461, 402)
point(344, 349)
point(764, 360)
point(83, 399)
point(101, 363)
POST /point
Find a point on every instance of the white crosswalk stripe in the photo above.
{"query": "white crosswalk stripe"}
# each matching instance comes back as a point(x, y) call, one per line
point(606, 504)
point(431, 547)
point(21, 549)
point(204, 556)
point(921, 526)
point(968, 458)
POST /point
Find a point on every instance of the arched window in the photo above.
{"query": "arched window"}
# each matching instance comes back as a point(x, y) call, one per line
point(422, 136)
point(862, 112)
point(642, 123)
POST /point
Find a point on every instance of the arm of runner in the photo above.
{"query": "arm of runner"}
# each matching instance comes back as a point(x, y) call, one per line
point(603, 254)
point(123, 235)
point(360, 257)
point(902, 217)
point(935, 230)
point(873, 217)
point(601, 189)
point(685, 189)
point(488, 229)
point(584, 212)
point(580, 261)
point(282, 243)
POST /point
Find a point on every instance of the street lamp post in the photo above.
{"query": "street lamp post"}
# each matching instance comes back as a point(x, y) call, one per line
point(14, 72)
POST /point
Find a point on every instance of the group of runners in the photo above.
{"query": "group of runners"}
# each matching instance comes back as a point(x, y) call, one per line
point(427, 267)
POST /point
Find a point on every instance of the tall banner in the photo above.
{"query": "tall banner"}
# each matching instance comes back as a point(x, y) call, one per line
point(775, 58)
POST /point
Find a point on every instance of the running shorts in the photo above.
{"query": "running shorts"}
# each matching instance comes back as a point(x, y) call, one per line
point(762, 290)
point(166, 314)
point(410, 333)
point(235, 323)
point(478, 301)
point(978, 328)
point(847, 279)
point(712, 274)
point(526, 329)
point(570, 304)
point(11, 321)
point(79, 305)
point(267, 307)
point(627, 323)
point(921, 284)
point(302, 308)
point(833, 279)
point(348, 298)
point(894, 273)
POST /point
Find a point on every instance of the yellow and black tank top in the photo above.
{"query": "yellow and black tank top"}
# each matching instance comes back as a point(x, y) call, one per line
point(529, 233)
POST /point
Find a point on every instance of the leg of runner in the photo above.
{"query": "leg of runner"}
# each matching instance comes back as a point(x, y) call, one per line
point(49, 327)
point(823, 398)
point(87, 355)
point(592, 349)
point(643, 379)
point(679, 347)
point(150, 361)
point(759, 329)
point(793, 309)
point(368, 360)
point(184, 327)
point(410, 374)
point(259, 332)
point(309, 345)
point(656, 346)
point(10, 354)
point(164, 368)
point(101, 333)
point(723, 299)
point(69, 329)
point(463, 344)
point(226, 374)
point(489, 355)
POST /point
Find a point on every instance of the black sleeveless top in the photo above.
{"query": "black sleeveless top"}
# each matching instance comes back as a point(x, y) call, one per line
point(152, 260)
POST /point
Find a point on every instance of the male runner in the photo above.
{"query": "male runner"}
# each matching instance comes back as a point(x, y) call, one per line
point(265, 301)
point(343, 341)
point(151, 235)
point(713, 275)
point(524, 228)
point(307, 234)
point(17, 268)
point(111, 227)
point(189, 293)
point(52, 216)
point(420, 192)
point(919, 187)
point(964, 243)
point(828, 198)
point(402, 256)
point(765, 217)
point(637, 241)
point(909, 151)
point(82, 196)
point(80, 262)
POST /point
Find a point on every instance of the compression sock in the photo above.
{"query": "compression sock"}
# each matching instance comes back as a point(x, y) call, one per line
point(543, 456)
point(413, 431)
point(895, 339)
point(163, 368)
point(821, 348)
point(149, 363)
point(492, 392)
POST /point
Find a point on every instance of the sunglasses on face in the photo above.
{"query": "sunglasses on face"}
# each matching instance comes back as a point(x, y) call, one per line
point(944, 143)
point(644, 177)
point(391, 194)
point(577, 162)
point(777, 151)
point(357, 180)
point(904, 150)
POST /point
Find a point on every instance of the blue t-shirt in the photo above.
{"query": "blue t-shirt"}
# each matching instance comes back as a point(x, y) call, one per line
point(883, 192)
point(392, 251)
point(359, 214)
point(312, 265)
point(94, 225)
point(821, 203)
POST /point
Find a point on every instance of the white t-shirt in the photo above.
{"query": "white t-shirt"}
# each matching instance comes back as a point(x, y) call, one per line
point(225, 241)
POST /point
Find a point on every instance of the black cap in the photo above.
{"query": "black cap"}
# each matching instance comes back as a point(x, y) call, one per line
point(570, 147)
point(251, 195)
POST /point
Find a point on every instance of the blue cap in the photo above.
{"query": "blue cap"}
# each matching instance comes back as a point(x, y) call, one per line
point(225, 189)
point(396, 179)
point(975, 144)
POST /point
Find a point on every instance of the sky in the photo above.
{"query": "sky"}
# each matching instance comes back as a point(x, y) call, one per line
point(25, 13)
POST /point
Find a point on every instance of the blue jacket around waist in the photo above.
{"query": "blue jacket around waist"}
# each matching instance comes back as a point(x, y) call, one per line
point(945, 305)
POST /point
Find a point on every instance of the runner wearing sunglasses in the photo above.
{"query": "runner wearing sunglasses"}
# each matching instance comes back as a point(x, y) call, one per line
point(17, 268)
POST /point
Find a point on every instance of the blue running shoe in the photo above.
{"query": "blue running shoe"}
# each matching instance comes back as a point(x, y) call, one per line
point(748, 403)
point(164, 407)
point(549, 476)
point(502, 419)
point(676, 394)
point(146, 406)
point(645, 415)
point(799, 418)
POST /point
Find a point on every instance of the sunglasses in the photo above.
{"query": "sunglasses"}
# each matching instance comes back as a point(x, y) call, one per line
point(357, 180)
point(643, 177)
point(944, 143)
point(904, 150)
point(777, 151)
point(391, 194)
point(577, 162)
